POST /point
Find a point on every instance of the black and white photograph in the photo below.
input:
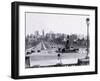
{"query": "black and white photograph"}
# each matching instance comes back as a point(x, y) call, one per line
point(51, 40)
point(54, 40)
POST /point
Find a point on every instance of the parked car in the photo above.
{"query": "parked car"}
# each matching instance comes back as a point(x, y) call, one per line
point(28, 52)
point(32, 51)
point(73, 49)
point(38, 51)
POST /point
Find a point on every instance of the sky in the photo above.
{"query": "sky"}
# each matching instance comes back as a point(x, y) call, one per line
point(57, 23)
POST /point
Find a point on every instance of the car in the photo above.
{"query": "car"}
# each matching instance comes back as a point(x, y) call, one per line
point(71, 48)
point(32, 51)
point(74, 49)
point(63, 50)
point(38, 51)
point(28, 52)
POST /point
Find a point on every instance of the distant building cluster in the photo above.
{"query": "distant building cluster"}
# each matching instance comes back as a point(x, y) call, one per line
point(55, 38)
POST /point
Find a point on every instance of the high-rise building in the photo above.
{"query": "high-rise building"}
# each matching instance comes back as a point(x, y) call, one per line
point(43, 32)
point(36, 33)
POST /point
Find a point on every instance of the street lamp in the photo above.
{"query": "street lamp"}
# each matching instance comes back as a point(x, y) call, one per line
point(59, 58)
point(87, 22)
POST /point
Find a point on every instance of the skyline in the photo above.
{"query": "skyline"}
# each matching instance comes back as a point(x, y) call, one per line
point(80, 35)
point(67, 24)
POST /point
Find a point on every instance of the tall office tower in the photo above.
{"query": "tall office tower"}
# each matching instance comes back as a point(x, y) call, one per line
point(43, 32)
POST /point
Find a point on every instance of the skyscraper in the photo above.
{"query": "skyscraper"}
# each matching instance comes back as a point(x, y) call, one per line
point(36, 33)
point(43, 32)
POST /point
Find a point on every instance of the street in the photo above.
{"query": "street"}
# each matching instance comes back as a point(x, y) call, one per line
point(48, 56)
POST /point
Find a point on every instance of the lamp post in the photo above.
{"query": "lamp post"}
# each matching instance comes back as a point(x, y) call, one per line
point(59, 58)
point(87, 22)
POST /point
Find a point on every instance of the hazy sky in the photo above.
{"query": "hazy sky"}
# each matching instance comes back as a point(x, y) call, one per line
point(56, 23)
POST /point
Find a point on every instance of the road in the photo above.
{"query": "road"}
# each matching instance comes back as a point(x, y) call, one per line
point(48, 56)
